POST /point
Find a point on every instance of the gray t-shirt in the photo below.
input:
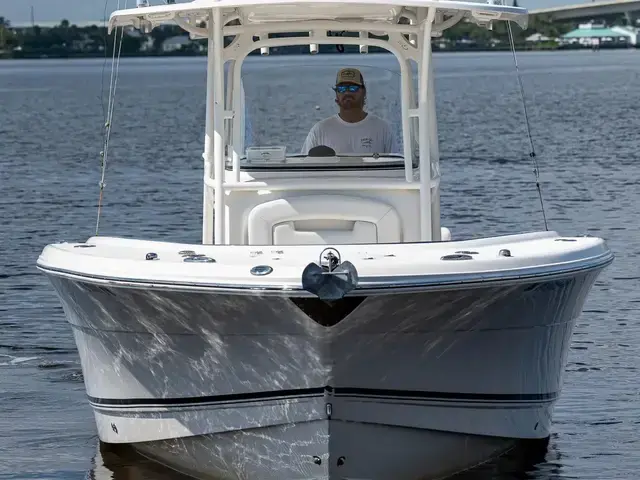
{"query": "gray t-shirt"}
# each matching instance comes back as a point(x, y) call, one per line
point(368, 136)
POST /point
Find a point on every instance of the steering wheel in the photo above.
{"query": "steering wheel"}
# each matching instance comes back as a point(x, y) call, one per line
point(321, 151)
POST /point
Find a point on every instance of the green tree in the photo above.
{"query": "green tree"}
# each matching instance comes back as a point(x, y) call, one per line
point(7, 38)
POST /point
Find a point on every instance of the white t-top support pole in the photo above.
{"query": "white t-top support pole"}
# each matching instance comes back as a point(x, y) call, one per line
point(208, 206)
point(423, 130)
point(407, 138)
point(218, 127)
point(435, 158)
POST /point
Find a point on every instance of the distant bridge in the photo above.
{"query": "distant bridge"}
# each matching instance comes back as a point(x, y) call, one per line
point(590, 10)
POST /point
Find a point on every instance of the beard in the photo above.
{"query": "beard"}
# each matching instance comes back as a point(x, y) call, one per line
point(349, 102)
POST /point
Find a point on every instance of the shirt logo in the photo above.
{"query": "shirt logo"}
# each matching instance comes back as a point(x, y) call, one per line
point(366, 142)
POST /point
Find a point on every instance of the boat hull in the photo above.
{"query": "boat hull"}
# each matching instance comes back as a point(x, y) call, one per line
point(404, 385)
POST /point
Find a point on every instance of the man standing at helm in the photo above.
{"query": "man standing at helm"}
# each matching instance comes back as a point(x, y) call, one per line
point(351, 130)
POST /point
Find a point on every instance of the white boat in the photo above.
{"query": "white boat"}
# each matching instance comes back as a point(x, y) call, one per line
point(327, 326)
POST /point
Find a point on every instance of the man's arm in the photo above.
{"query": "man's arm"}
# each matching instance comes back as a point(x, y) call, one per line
point(311, 141)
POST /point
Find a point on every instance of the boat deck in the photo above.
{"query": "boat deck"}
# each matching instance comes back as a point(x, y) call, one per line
point(109, 260)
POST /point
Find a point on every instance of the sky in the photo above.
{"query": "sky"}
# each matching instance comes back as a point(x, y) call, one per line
point(19, 11)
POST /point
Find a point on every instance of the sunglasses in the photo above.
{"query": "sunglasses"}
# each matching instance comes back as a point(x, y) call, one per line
point(347, 88)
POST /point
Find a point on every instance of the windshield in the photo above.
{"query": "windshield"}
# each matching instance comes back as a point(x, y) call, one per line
point(290, 102)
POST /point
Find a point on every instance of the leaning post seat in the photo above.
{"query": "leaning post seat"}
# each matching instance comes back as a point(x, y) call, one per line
point(322, 219)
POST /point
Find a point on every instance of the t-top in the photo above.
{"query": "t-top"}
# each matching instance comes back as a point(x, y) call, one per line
point(368, 136)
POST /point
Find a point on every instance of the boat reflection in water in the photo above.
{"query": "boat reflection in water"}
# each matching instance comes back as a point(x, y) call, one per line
point(122, 462)
point(531, 459)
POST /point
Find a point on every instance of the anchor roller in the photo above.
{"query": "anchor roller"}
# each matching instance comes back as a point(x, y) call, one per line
point(330, 279)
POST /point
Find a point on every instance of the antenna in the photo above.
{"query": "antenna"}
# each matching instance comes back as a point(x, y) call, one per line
point(33, 18)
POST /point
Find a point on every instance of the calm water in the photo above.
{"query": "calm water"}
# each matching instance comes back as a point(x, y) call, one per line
point(583, 110)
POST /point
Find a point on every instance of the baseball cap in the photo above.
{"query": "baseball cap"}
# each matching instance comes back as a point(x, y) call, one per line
point(350, 75)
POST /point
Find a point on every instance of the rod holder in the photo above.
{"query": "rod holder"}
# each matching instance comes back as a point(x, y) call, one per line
point(364, 48)
point(413, 20)
point(264, 51)
point(313, 47)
